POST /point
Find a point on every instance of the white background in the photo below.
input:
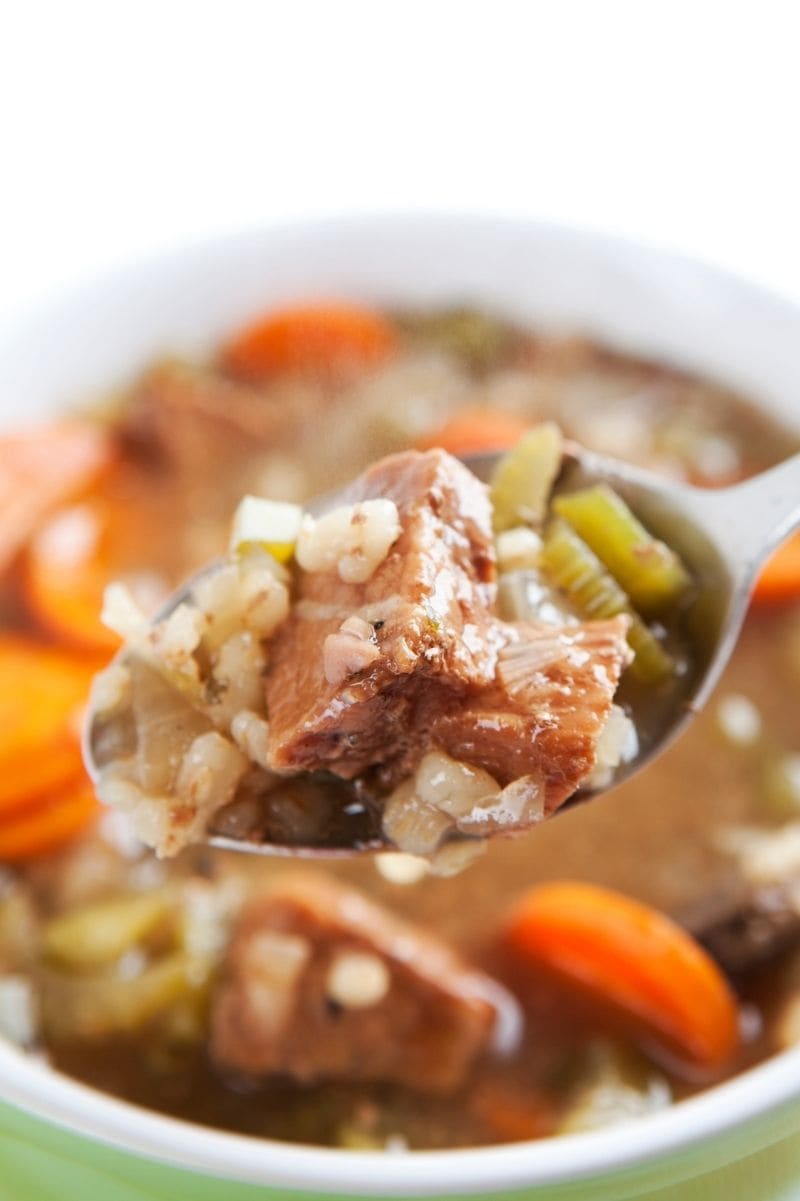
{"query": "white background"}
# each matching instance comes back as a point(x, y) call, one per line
point(127, 127)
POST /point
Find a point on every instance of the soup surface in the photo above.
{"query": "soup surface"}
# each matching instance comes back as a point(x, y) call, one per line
point(112, 963)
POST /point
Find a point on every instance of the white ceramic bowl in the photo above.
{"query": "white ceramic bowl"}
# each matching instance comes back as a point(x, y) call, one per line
point(634, 297)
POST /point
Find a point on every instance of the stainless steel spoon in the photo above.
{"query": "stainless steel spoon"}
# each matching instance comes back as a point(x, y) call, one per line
point(723, 535)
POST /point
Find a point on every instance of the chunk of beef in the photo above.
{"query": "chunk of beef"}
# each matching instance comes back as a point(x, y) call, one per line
point(517, 700)
point(321, 983)
point(193, 420)
point(430, 603)
point(545, 710)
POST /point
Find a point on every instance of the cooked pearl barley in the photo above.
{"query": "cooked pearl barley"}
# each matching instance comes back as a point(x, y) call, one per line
point(739, 719)
point(111, 689)
point(353, 539)
point(207, 778)
point(412, 825)
point(357, 980)
point(350, 650)
point(451, 787)
point(273, 962)
point(399, 868)
point(264, 600)
point(177, 637)
point(237, 669)
point(251, 734)
point(517, 549)
point(121, 614)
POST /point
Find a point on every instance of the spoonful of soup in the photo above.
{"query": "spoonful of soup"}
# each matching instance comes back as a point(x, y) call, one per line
point(422, 661)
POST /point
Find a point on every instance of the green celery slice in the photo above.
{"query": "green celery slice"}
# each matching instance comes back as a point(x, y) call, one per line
point(650, 572)
point(96, 935)
point(571, 566)
point(523, 479)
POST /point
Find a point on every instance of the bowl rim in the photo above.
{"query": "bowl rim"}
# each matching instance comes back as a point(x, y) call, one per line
point(760, 1092)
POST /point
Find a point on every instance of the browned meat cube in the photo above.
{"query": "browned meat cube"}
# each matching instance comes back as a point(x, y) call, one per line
point(441, 671)
point(546, 709)
point(430, 603)
point(322, 983)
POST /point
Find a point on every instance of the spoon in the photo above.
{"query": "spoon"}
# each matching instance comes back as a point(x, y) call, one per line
point(723, 536)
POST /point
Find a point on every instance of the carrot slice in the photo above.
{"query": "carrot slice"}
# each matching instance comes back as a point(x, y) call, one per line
point(49, 824)
point(474, 430)
point(28, 779)
point(325, 339)
point(41, 692)
point(65, 572)
point(635, 960)
point(779, 580)
point(40, 468)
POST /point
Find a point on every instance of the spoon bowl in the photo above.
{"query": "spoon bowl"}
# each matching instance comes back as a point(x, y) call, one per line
point(722, 535)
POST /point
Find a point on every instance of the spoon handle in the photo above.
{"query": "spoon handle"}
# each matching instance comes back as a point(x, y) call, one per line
point(749, 520)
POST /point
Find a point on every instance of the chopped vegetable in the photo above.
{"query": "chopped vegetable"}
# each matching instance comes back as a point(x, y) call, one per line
point(66, 569)
point(634, 960)
point(39, 469)
point(522, 483)
point(41, 692)
point(617, 1086)
point(272, 525)
point(651, 574)
point(474, 431)
point(326, 340)
point(49, 823)
point(93, 1007)
point(779, 581)
point(476, 338)
point(571, 566)
point(95, 935)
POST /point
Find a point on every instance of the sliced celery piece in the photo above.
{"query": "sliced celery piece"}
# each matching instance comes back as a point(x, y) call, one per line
point(523, 479)
point(571, 566)
point(96, 935)
point(651, 574)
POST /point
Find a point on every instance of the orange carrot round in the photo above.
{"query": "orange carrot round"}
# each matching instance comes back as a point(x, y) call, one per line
point(49, 824)
point(324, 339)
point(65, 572)
point(633, 959)
point(24, 780)
point(41, 693)
point(779, 580)
point(39, 469)
point(475, 430)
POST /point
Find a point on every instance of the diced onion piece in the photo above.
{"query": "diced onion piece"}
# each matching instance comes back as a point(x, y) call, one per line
point(524, 478)
point(352, 539)
point(270, 524)
point(517, 548)
point(357, 980)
